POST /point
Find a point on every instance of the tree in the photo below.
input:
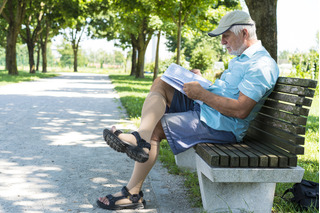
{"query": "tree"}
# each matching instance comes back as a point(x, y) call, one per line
point(33, 28)
point(53, 20)
point(194, 14)
point(75, 13)
point(264, 13)
point(74, 35)
point(131, 23)
point(13, 13)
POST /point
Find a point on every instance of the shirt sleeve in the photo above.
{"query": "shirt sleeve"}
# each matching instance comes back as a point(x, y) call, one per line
point(259, 79)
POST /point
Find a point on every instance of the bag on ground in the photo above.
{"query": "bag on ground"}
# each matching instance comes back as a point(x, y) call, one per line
point(305, 194)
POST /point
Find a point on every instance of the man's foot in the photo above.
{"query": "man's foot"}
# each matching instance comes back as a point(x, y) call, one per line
point(132, 144)
point(122, 200)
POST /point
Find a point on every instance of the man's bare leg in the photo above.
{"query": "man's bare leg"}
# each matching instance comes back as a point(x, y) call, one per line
point(153, 109)
point(160, 96)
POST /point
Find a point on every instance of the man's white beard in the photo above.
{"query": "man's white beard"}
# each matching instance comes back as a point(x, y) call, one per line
point(239, 51)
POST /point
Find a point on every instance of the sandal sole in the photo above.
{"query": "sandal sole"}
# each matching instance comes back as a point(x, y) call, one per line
point(114, 142)
point(123, 206)
point(137, 154)
point(134, 152)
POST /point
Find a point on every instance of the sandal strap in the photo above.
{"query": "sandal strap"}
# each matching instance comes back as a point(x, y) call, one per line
point(133, 197)
point(141, 142)
point(117, 132)
point(125, 194)
point(112, 200)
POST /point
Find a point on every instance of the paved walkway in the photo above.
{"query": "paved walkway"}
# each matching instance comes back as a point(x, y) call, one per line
point(52, 154)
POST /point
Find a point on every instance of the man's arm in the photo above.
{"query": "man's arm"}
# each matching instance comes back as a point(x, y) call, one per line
point(239, 108)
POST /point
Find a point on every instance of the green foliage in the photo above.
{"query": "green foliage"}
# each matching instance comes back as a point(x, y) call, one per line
point(163, 65)
point(2, 57)
point(306, 64)
point(66, 52)
point(202, 58)
point(119, 58)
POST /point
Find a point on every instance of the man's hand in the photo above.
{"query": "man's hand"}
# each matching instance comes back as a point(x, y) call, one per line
point(196, 71)
point(193, 90)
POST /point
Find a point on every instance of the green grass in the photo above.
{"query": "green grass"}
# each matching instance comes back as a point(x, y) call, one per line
point(23, 76)
point(132, 93)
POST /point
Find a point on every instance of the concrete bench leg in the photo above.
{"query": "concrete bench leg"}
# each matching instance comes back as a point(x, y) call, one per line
point(235, 197)
point(241, 189)
point(186, 159)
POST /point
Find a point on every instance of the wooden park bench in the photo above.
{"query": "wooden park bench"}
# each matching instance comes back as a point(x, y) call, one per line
point(243, 176)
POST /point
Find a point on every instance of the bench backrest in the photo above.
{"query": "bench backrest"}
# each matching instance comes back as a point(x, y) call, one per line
point(282, 119)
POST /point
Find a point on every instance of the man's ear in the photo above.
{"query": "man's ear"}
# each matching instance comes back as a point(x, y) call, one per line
point(245, 34)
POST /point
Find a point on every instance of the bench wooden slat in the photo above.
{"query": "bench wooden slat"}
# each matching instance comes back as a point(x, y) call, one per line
point(208, 155)
point(243, 158)
point(265, 137)
point(294, 99)
point(234, 160)
point(296, 139)
point(289, 127)
point(252, 158)
point(286, 107)
point(283, 160)
point(293, 159)
point(298, 82)
point(297, 90)
point(262, 158)
point(273, 160)
point(224, 158)
point(284, 116)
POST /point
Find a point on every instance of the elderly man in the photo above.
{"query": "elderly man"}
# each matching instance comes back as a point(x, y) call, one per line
point(228, 107)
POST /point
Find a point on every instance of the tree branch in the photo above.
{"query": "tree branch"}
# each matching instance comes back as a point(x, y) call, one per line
point(2, 5)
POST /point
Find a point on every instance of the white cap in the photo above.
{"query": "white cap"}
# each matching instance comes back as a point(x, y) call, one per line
point(230, 19)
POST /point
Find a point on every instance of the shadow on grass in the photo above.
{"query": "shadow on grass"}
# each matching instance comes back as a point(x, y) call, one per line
point(5, 78)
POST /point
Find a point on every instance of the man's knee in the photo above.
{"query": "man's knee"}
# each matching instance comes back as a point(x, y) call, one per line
point(164, 89)
point(158, 84)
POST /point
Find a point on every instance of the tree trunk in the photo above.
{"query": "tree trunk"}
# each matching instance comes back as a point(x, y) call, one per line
point(38, 57)
point(44, 56)
point(179, 45)
point(14, 14)
point(75, 62)
point(44, 42)
point(264, 13)
point(179, 25)
point(140, 65)
point(144, 38)
point(133, 59)
point(11, 52)
point(156, 64)
point(31, 57)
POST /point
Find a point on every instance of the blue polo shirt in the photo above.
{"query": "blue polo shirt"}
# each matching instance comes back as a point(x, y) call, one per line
point(254, 73)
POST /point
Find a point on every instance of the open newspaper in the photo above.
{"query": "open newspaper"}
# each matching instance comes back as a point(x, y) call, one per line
point(176, 76)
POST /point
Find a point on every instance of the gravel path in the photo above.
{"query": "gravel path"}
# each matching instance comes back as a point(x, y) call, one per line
point(52, 154)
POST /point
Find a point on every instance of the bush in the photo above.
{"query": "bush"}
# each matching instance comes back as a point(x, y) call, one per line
point(306, 64)
point(202, 58)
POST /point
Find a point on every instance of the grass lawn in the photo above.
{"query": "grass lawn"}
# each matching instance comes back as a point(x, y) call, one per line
point(132, 93)
point(23, 76)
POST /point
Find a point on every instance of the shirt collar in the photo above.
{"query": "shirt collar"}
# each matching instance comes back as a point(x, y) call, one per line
point(250, 51)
